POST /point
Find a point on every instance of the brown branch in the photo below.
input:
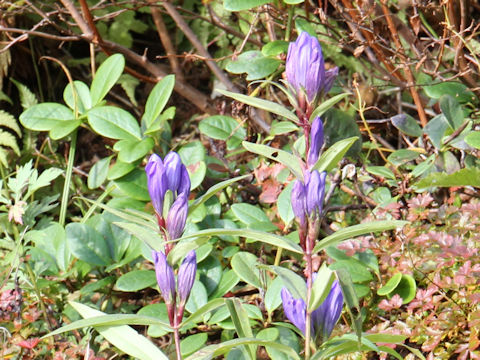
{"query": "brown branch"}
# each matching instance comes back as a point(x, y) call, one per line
point(166, 42)
point(408, 72)
point(198, 45)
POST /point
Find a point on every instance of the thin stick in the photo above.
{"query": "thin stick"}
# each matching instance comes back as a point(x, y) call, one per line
point(408, 71)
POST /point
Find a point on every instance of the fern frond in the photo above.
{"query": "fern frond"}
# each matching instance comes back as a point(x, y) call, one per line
point(10, 122)
point(3, 157)
point(7, 139)
point(27, 98)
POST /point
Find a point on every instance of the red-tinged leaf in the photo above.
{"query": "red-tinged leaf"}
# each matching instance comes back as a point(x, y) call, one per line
point(29, 343)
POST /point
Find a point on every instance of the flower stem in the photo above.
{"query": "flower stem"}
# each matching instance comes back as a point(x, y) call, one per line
point(176, 334)
point(68, 178)
point(308, 315)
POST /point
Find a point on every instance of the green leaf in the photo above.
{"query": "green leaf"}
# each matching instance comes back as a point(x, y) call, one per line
point(321, 287)
point(192, 343)
point(406, 288)
point(254, 63)
point(262, 104)
point(435, 129)
point(285, 210)
point(198, 297)
point(119, 169)
point(252, 216)
point(241, 322)
point(239, 5)
point(473, 139)
point(81, 99)
point(283, 157)
point(157, 100)
point(274, 48)
point(402, 156)
point(327, 104)
point(356, 230)
point(123, 337)
point(227, 283)
point(272, 239)
point(87, 244)
point(132, 150)
point(224, 128)
point(282, 127)
point(150, 237)
point(463, 177)
point(293, 2)
point(106, 76)
point(452, 111)
point(212, 351)
point(53, 117)
point(157, 311)
point(407, 124)
point(134, 185)
point(330, 158)
point(27, 98)
point(8, 140)
point(351, 300)
point(10, 122)
point(390, 285)
point(212, 191)
point(381, 171)
point(245, 266)
point(358, 271)
point(457, 90)
point(113, 122)
point(201, 312)
point(136, 280)
point(292, 281)
point(98, 173)
point(272, 296)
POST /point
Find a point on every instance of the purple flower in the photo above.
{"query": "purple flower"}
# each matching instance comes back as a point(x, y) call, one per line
point(305, 68)
point(323, 319)
point(165, 277)
point(298, 201)
point(315, 191)
point(186, 277)
point(316, 141)
point(177, 217)
point(157, 182)
point(326, 316)
point(294, 309)
point(169, 174)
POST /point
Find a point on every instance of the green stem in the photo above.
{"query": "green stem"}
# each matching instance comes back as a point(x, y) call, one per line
point(291, 10)
point(31, 275)
point(68, 178)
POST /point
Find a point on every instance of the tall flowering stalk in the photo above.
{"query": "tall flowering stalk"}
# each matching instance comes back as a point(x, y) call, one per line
point(308, 79)
point(169, 188)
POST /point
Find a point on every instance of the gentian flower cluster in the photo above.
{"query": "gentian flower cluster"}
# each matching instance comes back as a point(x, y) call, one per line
point(324, 317)
point(305, 72)
point(169, 188)
point(307, 196)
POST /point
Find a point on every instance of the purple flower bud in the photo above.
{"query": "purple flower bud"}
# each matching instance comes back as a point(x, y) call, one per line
point(326, 316)
point(315, 193)
point(330, 76)
point(173, 168)
point(298, 201)
point(316, 141)
point(186, 277)
point(165, 276)
point(305, 68)
point(294, 309)
point(184, 187)
point(157, 182)
point(177, 217)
